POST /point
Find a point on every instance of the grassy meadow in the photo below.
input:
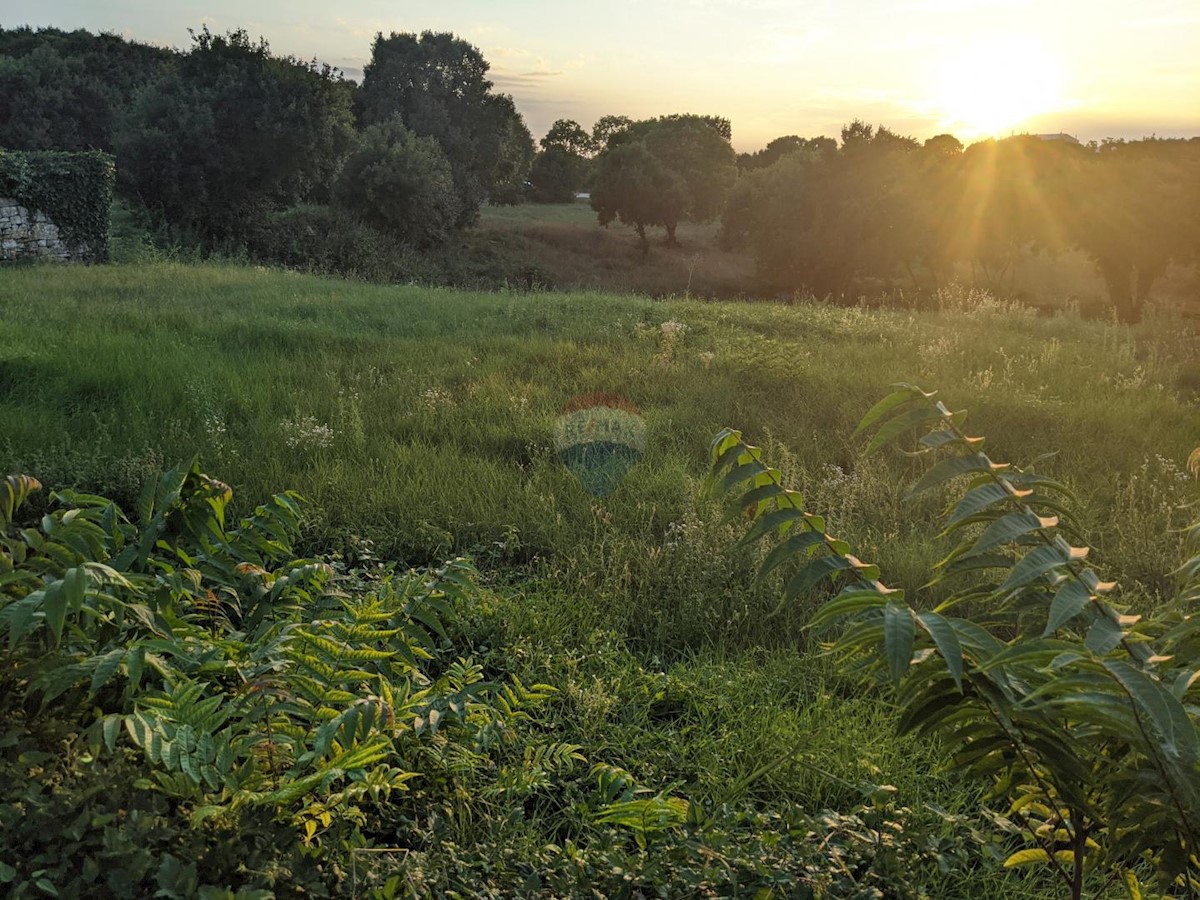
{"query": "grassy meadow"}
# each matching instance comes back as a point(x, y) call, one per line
point(560, 245)
point(419, 423)
point(568, 250)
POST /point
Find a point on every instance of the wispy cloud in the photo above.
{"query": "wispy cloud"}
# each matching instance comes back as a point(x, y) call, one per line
point(522, 81)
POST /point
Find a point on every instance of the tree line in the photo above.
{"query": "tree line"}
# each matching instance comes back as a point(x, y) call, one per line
point(821, 218)
point(213, 139)
point(826, 216)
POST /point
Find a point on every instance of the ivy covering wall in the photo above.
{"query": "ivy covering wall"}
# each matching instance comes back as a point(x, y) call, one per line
point(73, 190)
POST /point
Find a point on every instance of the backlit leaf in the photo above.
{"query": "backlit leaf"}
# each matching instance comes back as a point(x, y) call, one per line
point(893, 428)
point(1028, 857)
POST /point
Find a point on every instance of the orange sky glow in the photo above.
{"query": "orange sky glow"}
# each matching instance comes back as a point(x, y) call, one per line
point(976, 68)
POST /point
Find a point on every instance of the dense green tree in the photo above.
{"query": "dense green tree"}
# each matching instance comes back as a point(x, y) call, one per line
point(514, 158)
point(563, 166)
point(437, 84)
point(773, 152)
point(943, 144)
point(1012, 195)
point(694, 150)
point(932, 188)
point(885, 206)
point(66, 90)
point(745, 208)
point(1137, 209)
point(783, 146)
point(230, 130)
point(400, 183)
point(606, 127)
point(698, 151)
point(556, 176)
point(637, 188)
point(818, 222)
point(745, 199)
point(719, 124)
point(858, 134)
point(39, 96)
point(568, 135)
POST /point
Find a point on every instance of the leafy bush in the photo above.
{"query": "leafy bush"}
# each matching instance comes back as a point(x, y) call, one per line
point(232, 131)
point(193, 712)
point(436, 84)
point(556, 175)
point(333, 240)
point(66, 90)
point(73, 189)
point(400, 183)
point(876, 851)
point(263, 695)
point(1080, 715)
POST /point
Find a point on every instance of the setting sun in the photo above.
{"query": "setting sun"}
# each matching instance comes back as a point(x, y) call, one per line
point(990, 89)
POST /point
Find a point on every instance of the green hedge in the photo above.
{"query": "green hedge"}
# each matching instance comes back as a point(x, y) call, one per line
point(73, 189)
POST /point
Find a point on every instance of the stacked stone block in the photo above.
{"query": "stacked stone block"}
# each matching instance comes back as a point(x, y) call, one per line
point(29, 234)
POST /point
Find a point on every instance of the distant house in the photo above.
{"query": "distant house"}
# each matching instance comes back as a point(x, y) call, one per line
point(1061, 136)
point(583, 195)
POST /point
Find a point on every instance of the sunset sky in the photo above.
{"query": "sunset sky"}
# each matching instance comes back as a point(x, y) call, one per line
point(1093, 68)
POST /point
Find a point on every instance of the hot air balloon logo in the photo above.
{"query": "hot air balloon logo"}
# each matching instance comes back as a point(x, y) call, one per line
point(599, 437)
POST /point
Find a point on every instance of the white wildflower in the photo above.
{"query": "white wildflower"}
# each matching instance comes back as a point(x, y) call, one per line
point(306, 432)
point(436, 397)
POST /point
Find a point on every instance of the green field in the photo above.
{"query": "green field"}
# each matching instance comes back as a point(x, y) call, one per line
point(442, 403)
point(419, 424)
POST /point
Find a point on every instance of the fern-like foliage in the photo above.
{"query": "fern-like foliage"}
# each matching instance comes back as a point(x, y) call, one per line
point(248, 678)
point(642, 811)
point(1082, 716)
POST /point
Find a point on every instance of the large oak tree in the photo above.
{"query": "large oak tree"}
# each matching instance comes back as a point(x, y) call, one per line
point(663, 172)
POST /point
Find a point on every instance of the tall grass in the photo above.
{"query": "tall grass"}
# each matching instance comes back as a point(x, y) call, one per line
point(436, 407)
point(420, 422)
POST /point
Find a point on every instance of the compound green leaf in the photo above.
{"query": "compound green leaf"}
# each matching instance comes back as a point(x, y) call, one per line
point(1069, 601)
point(795, 543)
point(847, 603)
point(899, 632)
point(946, 641)
point(1103, 636)
point(978, 499)
point(1008, 528)
point(889, 403)
point(811, 575)
point(953, 468)
point(105, 667)
point(893, 428)
point(54, 607)
point(1035, 564)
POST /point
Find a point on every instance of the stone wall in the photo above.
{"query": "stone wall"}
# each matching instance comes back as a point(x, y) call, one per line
point(29, 234)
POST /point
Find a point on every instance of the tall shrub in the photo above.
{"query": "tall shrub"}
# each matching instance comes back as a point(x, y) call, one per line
point(231, 131)
point(401, 183)
point(1080, 716)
